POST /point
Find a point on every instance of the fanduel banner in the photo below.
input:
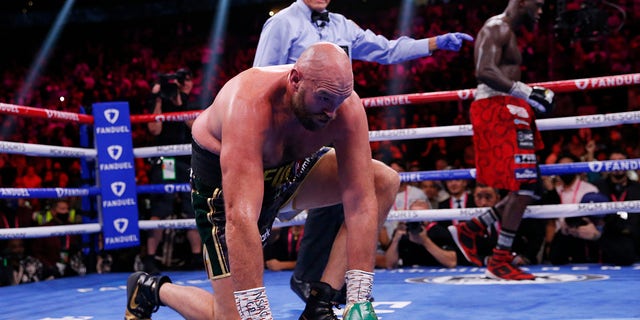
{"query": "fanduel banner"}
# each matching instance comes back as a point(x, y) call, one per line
point(116, 175)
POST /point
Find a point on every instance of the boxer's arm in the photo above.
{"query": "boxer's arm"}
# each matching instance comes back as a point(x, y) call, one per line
point(491, 42)
point(357, 184)
point(155, 127)
point(242, 179)
point(489, 53)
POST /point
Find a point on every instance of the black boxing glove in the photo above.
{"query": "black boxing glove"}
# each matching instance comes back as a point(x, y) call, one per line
point(541, 99)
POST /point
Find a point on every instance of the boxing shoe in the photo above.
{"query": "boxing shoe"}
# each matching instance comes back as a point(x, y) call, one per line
point(300, 288)
point(466, 239)
point(359, 311)
point(149, 264)
point(500, 266)
point(319, 304)
point(143, 295)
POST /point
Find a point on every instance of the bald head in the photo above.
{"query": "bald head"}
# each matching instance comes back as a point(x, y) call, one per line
point(328, 65)
point(320, 81)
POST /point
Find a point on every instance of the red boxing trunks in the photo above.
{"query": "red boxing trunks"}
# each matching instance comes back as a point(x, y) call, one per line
point(505, 139)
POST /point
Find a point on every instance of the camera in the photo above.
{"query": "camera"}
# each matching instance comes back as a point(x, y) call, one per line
point(168, 86)
point(575, 222)
point(414, 227)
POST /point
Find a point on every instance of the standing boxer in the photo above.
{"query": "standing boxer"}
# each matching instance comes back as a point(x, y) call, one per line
point(505, 135)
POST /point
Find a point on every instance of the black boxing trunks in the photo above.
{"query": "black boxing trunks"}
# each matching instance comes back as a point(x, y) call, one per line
point(505, 138)
point(280, 186)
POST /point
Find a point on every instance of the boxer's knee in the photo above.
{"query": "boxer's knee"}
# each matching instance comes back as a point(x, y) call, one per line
point(387, 182)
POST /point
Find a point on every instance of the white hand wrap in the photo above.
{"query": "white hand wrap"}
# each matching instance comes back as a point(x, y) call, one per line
point(520, 90)
point(253, 304)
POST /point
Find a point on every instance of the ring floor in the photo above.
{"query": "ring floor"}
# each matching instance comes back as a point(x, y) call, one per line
point(573, 292)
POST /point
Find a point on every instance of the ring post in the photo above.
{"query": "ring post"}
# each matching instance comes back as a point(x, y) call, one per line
point(116, 175)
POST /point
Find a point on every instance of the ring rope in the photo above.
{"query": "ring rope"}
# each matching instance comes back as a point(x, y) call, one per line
point(414, 176)
point(42, 150)
point(590, 121)
point(384, 101)
point(547, 211)
point(466, 94)
point(18, 110)
point(534, 212)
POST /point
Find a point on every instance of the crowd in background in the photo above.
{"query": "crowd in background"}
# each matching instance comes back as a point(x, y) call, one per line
point(120, 61)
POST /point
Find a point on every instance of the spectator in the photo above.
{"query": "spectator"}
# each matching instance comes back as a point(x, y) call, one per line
point(171, 94)
point(30, 179)
point(569, 186)
point(407, 195)
point(593, 239)
point(60, 255)
point(422, 243)
point(618, 187)
point(56, 178)
point(459, 196)
point(281, 250)
point(434, 191)
point(17, 267)
point(15, 213)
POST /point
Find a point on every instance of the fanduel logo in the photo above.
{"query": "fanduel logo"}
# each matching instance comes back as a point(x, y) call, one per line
point(118, 188)
point(121, 224)
point(595, 166)
point(114, 151)
point(112, 115)
point(464, 94)
point(171, 188)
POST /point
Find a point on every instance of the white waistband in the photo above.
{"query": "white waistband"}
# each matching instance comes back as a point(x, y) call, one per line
point(484, 91)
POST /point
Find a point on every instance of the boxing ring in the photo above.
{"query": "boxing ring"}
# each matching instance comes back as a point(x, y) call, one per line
point(567, 292)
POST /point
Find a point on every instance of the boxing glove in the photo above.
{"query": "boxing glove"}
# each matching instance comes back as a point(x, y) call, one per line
point(541, 99)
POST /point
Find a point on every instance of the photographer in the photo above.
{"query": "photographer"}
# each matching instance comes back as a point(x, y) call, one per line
point(421, 243)
point(171, 94)
point(593, 239)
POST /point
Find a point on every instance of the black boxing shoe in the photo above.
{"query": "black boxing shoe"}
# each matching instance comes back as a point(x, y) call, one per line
point(149, 264)
point(143, 295)
point(319, 305)
point(299, 287)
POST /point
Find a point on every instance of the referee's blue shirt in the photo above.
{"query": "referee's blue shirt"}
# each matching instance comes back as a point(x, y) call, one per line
point(288, 33)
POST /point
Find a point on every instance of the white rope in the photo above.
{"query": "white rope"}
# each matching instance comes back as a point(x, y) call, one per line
point(42, 150)
point(163, 151)
point(590, 121)
point(49, 231)
point(535, 212)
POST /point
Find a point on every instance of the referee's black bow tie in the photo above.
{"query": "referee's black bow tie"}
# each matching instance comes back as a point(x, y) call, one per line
point(315, 16)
